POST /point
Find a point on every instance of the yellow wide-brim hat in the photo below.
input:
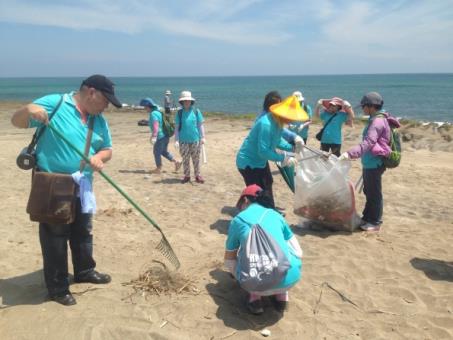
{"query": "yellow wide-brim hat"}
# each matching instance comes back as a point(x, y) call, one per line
point(289, 109)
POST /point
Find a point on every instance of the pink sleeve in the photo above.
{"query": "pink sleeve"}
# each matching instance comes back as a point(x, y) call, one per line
point(375, 130)
point(201, 130)
point(155, 128)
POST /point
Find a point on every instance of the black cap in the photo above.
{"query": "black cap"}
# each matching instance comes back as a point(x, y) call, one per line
point(105, 85)
point(372, 98)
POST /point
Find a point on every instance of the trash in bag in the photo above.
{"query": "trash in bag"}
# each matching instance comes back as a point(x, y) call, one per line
point(324, 194)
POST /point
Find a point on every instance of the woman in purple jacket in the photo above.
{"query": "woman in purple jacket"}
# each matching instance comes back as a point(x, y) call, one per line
point(374, 146)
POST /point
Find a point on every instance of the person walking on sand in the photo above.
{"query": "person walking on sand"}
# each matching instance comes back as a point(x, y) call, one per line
point(336, 112)
point(189, 135)
point(375, 145)
point(75, 111)
point(301, 128)
point(262, 142)
point(254, 210)
point(158, 138)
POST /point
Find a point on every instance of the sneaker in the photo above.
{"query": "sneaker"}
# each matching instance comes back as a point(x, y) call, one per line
point(255, 307)
point(185, 179)
point(177, 165)
point(370, 227)
point(199, 179)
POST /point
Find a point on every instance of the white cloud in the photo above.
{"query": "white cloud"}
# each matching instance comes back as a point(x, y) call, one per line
point(212, 19)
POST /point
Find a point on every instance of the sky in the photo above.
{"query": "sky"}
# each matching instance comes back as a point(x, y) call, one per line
point(162, 38)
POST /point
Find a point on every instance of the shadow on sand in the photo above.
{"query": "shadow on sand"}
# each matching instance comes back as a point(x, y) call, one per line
point(230, 299)
point(437, 270)
point(27, 289)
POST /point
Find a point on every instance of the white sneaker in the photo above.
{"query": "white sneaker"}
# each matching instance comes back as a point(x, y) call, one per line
point(370, 227)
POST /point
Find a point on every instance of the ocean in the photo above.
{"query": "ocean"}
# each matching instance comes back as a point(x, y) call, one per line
point(426, 97)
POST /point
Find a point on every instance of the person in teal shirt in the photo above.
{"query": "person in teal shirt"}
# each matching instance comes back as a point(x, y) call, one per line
point(336, 112)
point(71, 118)
point(252, 206)
point(262, 143)
point(189, 136)
point(301, 128)
point(158, 138)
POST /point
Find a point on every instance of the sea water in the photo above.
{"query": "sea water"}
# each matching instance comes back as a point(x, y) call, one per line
point(427, 97)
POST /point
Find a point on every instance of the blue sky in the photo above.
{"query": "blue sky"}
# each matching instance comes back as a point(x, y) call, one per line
point(221, 37)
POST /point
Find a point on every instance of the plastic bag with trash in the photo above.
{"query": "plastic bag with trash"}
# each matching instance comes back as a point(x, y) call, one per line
point(324, 194)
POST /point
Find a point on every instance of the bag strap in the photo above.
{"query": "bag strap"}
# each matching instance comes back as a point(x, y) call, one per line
point(39, 132)
point(330, 119)
point(259, 221)
point(195, 110)
point(88, 141)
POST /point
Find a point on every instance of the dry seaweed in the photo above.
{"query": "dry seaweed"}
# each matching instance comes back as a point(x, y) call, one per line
point(158, 280)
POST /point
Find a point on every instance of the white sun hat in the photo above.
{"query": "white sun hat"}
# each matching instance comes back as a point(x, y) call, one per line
point(186, 95)
point(299, 96)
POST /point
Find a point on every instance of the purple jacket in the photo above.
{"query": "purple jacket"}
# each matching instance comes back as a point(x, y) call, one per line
point(377, 139)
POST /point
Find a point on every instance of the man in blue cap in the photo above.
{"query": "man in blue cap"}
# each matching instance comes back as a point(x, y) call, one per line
point(73, 113)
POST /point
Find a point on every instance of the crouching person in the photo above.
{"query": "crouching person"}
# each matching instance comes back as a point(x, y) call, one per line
point(261, 251)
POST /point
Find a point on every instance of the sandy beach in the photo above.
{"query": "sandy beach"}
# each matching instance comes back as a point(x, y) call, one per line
point(397, 284)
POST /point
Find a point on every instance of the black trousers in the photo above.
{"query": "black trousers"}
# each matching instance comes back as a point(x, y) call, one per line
point(261, 177)
point(372, 188)
point(54, 245)
point(335, 148)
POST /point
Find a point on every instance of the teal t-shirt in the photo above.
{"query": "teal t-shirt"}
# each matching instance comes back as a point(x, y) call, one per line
point(52, 153)
point(332, 133)
point(156, 116)
point(274, 224)
point(295, 125)
point(370, 161)
point(189, 121)
point(261, 143)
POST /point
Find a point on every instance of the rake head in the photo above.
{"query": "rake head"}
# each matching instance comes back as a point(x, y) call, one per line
point(165, 249)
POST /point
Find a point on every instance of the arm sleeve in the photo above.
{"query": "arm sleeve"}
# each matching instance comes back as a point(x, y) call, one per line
point(374, 132)
point(177, 122)
point(288, 135)
point(284, 145)
point(295, 246)
point(265, 150)
point(48, 103)
point(233, 242)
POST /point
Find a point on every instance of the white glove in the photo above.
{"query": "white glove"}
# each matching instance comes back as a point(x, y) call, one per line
point(346, 103)
point(153, 140)
point(289, 161)
point(299, 143)
point(203, 141)
point(176, 145)
point(344, 157)
point(319, 102)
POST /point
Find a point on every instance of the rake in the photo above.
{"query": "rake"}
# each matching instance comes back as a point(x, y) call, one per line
point(164, 246)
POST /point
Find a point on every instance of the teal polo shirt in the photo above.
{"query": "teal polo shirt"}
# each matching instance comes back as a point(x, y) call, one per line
point(156, 116)
point(55, 155)
point(332, 133)
point(261, 143)
point(274, 224)
point(189, 125)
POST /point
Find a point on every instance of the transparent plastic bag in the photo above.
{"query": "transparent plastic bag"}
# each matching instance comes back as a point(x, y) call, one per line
point(324, 194)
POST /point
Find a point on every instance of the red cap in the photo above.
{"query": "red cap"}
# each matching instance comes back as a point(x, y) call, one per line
point(251, 190)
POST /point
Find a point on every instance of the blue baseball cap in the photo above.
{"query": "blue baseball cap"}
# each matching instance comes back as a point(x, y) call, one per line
point(148, 102)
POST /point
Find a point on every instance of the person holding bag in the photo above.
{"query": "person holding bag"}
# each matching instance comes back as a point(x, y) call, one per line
point(336, 112)
point(79, 116)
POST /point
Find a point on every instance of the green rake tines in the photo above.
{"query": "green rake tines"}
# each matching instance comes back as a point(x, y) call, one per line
point(164, 246)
